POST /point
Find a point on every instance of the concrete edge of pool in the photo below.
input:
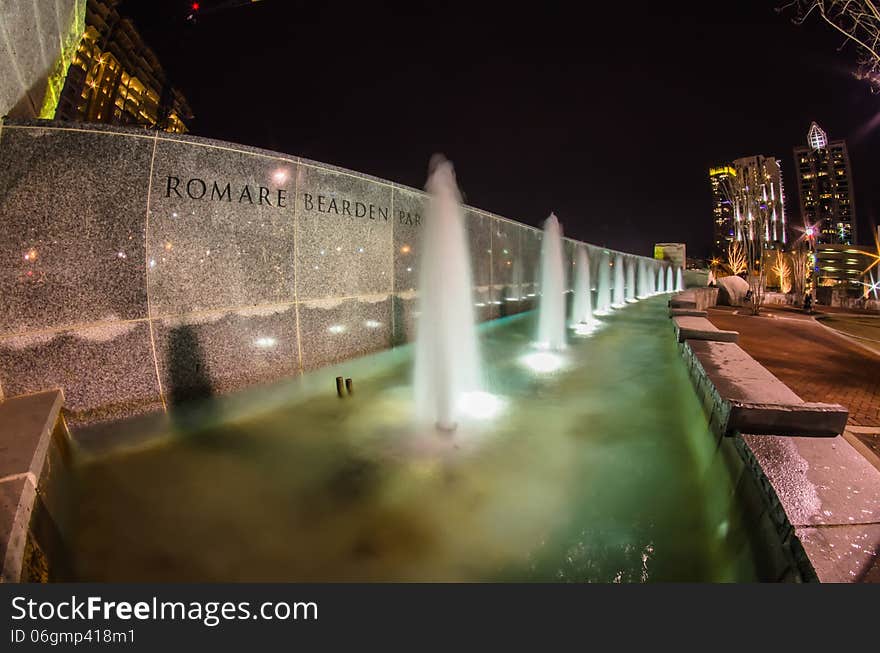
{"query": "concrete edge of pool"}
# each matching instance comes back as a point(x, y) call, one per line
point(818, 493)
point(33, 501)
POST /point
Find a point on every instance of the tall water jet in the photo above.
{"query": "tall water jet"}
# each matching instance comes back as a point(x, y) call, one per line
point(630, 279)
point(644, 286)
point(619, 289)
point(551, 311)
point(679, 282)
point(582, 305)
point(447, 363)
point(670, 282)
point(516, 280)
point(603, 286)
point(658, 284)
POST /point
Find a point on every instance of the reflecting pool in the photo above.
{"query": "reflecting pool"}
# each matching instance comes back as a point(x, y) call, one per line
point(601, 469)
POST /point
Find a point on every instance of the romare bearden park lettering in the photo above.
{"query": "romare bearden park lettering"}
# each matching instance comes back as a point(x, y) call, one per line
point(214, 191)
point(346, 207)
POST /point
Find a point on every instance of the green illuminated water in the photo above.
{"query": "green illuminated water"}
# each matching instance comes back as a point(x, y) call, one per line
point(604, 471)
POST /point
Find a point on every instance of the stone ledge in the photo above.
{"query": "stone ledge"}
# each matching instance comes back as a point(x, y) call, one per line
point(691, 327)
point(828, 495)
point(26, 427)
point(695, 298)
point(740, 395)
point(684, 299)
point(692, 312)
point(807, 419)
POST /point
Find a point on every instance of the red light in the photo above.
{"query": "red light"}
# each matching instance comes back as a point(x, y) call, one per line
point(196, 6)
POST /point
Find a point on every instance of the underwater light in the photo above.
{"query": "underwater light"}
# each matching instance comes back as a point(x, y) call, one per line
point(480, 405)
point(585, 328)
point(265, 343)
point(543, 362)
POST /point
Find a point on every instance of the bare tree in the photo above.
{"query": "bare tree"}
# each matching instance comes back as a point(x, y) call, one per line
point(783, 272)
point(859, 23)
point(736, 257)
point(752, 215)
point(754, 244)
point(799, 263)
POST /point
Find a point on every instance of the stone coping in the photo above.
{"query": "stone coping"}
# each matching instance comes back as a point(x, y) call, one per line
point(687, 311)
point(693, 327)
point(830, 496)
point(742, 396)
point(26, 426)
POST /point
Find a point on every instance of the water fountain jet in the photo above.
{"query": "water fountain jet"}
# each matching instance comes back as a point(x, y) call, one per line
point(644, 284)
point(619, 284)
point(630, 280)
point(582, 312)
point(447, 363)
point(551, 310)
point(603, 287)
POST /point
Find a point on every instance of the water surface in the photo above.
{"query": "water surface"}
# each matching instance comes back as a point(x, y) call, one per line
point(604, 471)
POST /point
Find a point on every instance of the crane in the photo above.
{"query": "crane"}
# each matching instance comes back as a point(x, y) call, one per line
point(197, 9)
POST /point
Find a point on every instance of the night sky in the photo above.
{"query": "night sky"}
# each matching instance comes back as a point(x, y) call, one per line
point(610, 117)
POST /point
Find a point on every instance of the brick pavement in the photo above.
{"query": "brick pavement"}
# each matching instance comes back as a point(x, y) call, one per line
point(816, 363)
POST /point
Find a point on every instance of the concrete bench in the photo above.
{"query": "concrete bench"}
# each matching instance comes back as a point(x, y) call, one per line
point(27, 425)
point(695, 298)
point(691, 327)
point(684, 299)
point(742, 396)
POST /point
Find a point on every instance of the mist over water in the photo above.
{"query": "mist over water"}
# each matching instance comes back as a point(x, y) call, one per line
point(447, 363)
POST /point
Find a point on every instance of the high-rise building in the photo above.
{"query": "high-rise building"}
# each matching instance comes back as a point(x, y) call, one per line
point(115, 78)
point(825, 187)
point(760, 189)
point(746, 193)
point(722, 207)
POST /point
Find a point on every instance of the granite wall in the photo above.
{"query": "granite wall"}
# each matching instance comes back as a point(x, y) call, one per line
point(33, 36)
point(139, 269)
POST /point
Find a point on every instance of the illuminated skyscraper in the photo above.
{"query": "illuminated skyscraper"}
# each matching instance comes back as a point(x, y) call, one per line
point(825, 188)
point(760, 189)
point(740, 190)
point(722, 207)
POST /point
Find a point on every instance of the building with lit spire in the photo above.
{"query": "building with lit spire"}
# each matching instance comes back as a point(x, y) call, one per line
point(825, 188)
